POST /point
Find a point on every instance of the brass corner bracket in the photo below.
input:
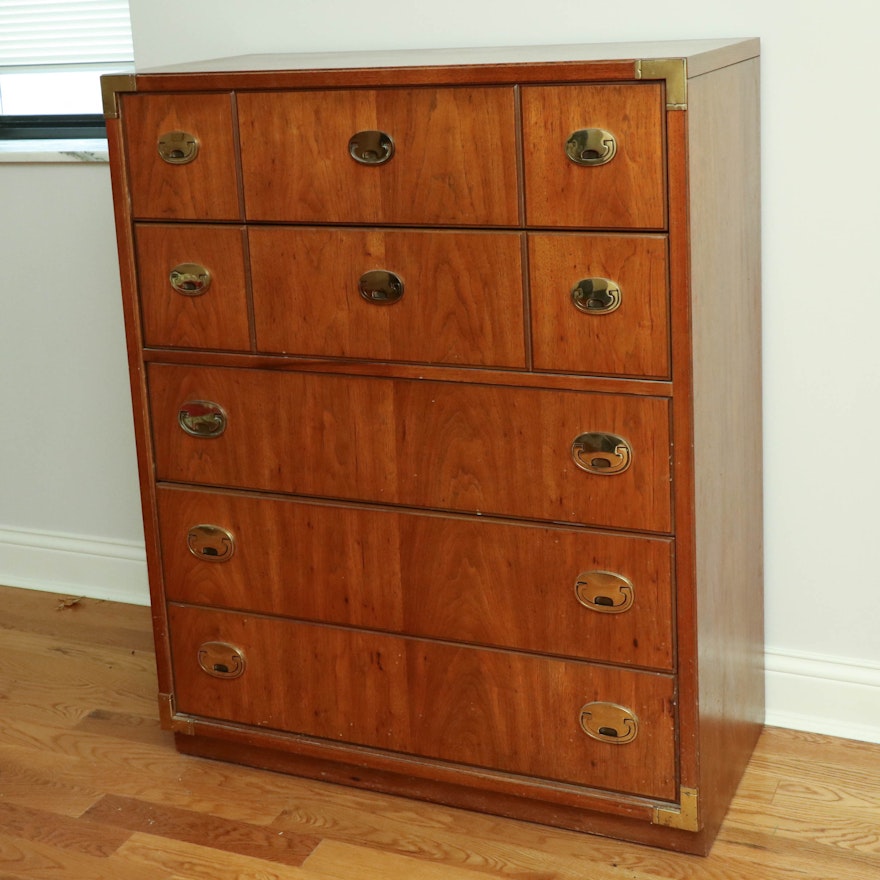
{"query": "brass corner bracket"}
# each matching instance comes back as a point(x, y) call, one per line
point(686, 817)
point(674, 71)
point(111, 85)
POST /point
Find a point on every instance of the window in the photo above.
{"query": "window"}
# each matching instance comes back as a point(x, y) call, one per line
point(52, 55)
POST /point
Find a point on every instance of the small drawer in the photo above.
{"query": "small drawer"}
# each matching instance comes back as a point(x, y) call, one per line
point(517, 713)
point(386, 156)
point(598, 459)
point(431, 297)
point(594, 156)
point(549, 590)
point(181, 156)
point(193, 288)
point(600, 304)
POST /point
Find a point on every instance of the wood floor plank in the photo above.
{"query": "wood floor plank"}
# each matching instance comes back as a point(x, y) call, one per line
point(191, 861)
point(42, 826)
point(189, 826)
point(22, 859)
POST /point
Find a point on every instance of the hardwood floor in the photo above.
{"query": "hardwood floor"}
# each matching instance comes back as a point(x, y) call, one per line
point(92, 789)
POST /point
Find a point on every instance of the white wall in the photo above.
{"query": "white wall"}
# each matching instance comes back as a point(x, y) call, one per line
point(822, 371)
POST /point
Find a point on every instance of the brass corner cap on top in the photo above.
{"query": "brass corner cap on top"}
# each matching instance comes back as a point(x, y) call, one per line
point(111, 85)
point(674, 71)
point(686, 817)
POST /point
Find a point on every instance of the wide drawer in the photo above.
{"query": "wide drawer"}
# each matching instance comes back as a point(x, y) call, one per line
point(512, 712)
point(432, 297)
point(599, 303)
point(182, 161)
point(442, 445)
point(192, 286)
point(449, 157)
point(588, 595)
point(619, 181)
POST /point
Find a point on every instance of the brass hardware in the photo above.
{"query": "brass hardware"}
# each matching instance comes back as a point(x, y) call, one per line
point(371, 147)
point(210, 543)
point(673, 71)
point(596, 296)
point(166, 710)
point(381, 287)
point(190, 279)
point(591, 146)
point(202, 418)
point(222, 660)
point(112, 84)
point(604, 591)
point(686, 817)
point(178, 147)
point(600, 453)
point(609, 723)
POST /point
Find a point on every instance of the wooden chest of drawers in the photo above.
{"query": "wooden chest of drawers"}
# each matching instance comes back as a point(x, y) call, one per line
point(446, 382)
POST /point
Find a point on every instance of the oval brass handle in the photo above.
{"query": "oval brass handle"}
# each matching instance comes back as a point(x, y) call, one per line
point(178, 147)
point(210, 543)
point(222, 660)
point(202, 418)
point(190, 279)
point(601, 453)
point(591, 146)
point(371, 147)
point(604, 591)
point(596, 296)
point(381, 287)
point(610, 723)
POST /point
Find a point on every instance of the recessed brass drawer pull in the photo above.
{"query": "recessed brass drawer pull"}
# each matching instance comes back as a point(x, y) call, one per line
point(610, 723)
point(596, 296)
point(178, 147)
point(210, 543)
point(371, 147)
point(202, 418)
point(222, 660)
point(381, 287)
point(591, 146)
point(601, 453)
point(604, 591)
point(190, 279)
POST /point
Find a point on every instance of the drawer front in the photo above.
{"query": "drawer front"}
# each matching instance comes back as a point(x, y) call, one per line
point(518, 713)
point(628, 190)
point(201, 183)
point(472, 448)
point(442, 297)
point(453, 159)
point(550, 590)
point(192, 283)
point(599, 304)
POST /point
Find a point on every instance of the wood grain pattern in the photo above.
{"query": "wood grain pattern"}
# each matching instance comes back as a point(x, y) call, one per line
point(626, 193)
point(205, 189)
point(430, 444)
point(806, 807)
point(511, 712)
point(216, 319)
point(454, 156)
point(483, 582)
point(727, 413)
point(462, 300)
point(631, 341)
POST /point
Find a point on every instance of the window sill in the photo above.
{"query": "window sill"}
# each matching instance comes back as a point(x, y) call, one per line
point(92, 150)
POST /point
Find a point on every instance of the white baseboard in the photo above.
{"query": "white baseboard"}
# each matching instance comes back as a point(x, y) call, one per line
point(74, 565)
point(832, 695)
point(821, 694)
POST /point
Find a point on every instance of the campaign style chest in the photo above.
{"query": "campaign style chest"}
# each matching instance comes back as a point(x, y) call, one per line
point(446, 382)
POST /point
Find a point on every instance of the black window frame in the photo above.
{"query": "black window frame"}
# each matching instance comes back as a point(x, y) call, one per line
point(64, 126)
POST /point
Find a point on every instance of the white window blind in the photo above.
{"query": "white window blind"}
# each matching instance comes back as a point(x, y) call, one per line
point(44, 35)
point(53, 53)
